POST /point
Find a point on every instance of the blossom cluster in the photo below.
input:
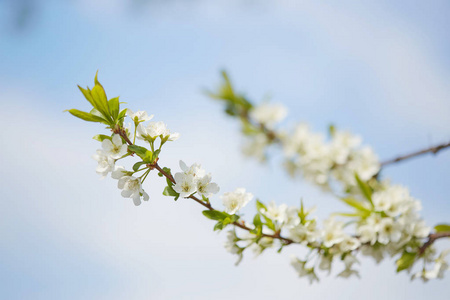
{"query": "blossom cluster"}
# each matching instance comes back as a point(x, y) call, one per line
point(320, 161)
point(385, 220)
point(194, 179)
point(309, 153)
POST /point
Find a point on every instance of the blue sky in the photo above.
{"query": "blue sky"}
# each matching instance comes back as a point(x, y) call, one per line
point(379, 69)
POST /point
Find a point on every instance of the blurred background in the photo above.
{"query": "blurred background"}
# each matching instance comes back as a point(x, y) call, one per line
point(379, 69)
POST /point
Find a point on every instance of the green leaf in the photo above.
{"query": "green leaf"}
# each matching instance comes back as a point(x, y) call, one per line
point(226, 221)
point(215, 215)
point(140, 151)
point(405, 261)
point(148, 157)
point(113, 105)
point(260, 206)
point(269, 223)
point(137, 165)
point(356, 204)
point(101, 137)
point(248, 128)
point(234, 218)
point(350, 215)
point(258, 224)
point(87, 95)
point(219, 226)
point(100, 101)
point(155, 155)
point(169, 191)
point(365, 188)
point(331, 130)
point(121, 116)
point(86, 116)
point(442, 227)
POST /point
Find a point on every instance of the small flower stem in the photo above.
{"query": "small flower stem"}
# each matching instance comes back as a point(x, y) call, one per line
point(145, 175)
point(135, 129)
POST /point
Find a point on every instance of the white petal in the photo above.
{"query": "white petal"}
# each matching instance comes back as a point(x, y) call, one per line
point(137, 200)
point(183, 166)
point(117, 140)
point(126, 193)
point(107, 145)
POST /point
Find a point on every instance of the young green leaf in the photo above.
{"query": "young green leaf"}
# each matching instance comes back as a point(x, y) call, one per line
point(148, 157)
point(260, 206)
point(269, 223)
point(87, 95)
point(100, 101)
point(442, 227)
point(114, 108)
point(257, 221)
point(219, 226)
point(365, 188)
point(86, 116)
point(137, 165)
point(405, 261)
point(101, 137)
point(140, 151)
point(215, 215)
point(356, 204)
point(169, 191)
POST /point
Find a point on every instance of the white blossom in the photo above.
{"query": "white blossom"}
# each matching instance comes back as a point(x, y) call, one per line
point(303, 271)
point(305, 233)
point(348, 273)
point(390, 231)
point(256, 146)
point(332, 232)
point(105, 163)
point(276, 213)
point(185, 184)
point(205, 187)
point(420, 229)
point(132, 188)
point(195, 170)
point(341, 146)
point(139, 116)
point(326, 263)
point(349, 244)
point(115, 148)
point(151, 131)
point(230, 244)
point(268, 114)
point(234, 201)
point(350, 260)
point(376, 252)
point(118, 172)
point(365, 163)
point(367, 234)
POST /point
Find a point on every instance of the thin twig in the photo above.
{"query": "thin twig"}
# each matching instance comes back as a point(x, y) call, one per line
point(431, 238)
point(433, 150)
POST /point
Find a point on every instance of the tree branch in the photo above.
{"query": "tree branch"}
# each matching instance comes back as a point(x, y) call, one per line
point(208, 205)
point(271, 135)
point(431, 239)
point(433, 150)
